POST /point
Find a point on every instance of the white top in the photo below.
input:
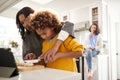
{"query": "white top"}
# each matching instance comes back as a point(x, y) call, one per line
point(99, 42)
point(63, 35)
point(46, 74)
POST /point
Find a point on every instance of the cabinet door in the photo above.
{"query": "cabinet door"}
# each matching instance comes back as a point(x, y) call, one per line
point(95, 15)
point(102, 67)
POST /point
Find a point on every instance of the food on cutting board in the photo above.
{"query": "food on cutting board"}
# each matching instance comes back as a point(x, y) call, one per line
point(22, 63)
point(29, 63)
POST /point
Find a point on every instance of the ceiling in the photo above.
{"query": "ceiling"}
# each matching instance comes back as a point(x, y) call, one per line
point(58, 5)
point(4, 4)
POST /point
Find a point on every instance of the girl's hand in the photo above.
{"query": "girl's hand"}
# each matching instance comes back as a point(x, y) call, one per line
point(49, 55)
point(50, 58)
point(57, 56)
point(92, 48)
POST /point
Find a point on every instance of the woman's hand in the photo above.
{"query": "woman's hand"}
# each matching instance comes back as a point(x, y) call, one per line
point(92, 48)
point(30, 56)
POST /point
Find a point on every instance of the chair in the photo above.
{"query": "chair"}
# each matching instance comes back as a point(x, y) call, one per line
point(78, 62)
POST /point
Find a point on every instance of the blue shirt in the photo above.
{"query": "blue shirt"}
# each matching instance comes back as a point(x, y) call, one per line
point(92, 40)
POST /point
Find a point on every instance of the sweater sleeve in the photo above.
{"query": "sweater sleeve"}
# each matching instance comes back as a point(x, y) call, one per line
point(71, 44)
point(99, 43)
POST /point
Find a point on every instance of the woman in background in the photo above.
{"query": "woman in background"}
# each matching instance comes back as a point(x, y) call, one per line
point(93, 47)
point(32, 43)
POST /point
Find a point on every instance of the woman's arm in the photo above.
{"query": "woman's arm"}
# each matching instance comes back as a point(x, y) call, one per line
point(63, 35)
point(75, 54)
point(28, 52)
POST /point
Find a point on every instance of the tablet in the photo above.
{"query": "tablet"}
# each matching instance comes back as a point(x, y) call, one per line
point(7, 63)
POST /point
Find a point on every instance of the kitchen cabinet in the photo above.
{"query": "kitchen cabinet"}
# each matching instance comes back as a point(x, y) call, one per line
point(101, 67)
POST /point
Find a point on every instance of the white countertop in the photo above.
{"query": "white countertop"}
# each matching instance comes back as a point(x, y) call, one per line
point(46, 74)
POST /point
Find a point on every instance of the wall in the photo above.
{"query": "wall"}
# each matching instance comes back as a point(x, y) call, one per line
point(112, 43)
point(118, 48)
point(79, 15)
point(9, 32)
point(114, 13)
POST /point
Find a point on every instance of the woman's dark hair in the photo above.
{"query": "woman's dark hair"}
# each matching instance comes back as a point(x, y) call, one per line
point(45, 19)
point(97, 28)
point(26, 11)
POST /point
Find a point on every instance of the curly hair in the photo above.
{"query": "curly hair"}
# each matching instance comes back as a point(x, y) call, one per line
point(26, 11)
point(45, 19)
point(97, 28)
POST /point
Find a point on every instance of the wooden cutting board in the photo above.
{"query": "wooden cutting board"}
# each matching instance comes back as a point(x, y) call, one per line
point(30, 68)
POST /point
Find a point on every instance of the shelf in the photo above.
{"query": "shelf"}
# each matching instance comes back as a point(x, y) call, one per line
point(95, 15)
point(96, 22)
point(95, 11)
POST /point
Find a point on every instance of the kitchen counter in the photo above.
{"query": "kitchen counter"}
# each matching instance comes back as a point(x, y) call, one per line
point(46, 74)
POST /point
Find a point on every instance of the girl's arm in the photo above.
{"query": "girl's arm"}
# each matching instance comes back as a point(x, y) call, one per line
point(75, 50)
point(67, 55)
point(51, 52)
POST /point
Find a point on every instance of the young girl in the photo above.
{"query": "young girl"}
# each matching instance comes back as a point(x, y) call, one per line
point(48, 26)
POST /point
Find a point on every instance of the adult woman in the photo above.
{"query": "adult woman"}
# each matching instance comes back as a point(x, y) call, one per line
point(31, 41)
point(93, 46)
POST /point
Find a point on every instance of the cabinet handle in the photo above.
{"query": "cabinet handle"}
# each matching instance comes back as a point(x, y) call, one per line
point(116, 53)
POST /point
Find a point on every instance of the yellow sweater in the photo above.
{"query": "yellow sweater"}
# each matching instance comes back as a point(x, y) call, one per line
point(70, 44)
